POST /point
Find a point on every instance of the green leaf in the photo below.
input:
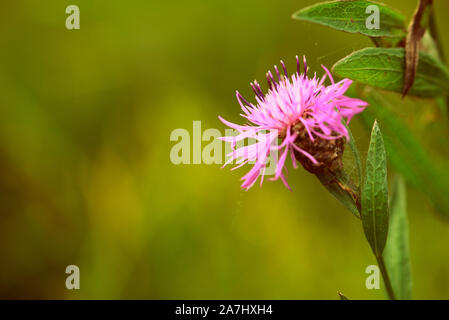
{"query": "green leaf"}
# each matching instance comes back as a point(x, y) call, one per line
point(375, 194)
point(406, 154)
point(355, 153)
point(384, 68)
point(351, 16)
point(397, 250)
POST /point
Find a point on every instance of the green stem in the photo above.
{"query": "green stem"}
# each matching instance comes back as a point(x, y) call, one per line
point(387, 282)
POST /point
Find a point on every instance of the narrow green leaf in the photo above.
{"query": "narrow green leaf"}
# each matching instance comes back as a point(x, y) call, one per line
point(375, 194)
point(352, 16)
point(397, 250)
point(384, 68)
point(406, 154)
point(355, 153)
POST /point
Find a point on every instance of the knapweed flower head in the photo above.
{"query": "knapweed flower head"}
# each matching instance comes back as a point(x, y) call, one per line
point(298, 116)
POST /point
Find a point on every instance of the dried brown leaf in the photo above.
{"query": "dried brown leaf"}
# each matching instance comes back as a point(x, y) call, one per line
point(416, 31)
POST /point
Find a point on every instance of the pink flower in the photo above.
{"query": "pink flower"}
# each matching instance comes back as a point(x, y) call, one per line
point(302, 114)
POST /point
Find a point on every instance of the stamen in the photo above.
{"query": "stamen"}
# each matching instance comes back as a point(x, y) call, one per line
point(240, 98)
point(270, 84)
point(271, 77)
point(305, 65)
point(254, 89)
point(277, 72)
point(285, 69)
point(257, 90)
point(298, 66)
point(258, 87)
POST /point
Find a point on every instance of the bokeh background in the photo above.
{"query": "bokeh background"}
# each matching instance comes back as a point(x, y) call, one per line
point(85, 171)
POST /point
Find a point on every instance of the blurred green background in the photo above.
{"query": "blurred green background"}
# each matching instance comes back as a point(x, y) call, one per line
point(86, 177)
